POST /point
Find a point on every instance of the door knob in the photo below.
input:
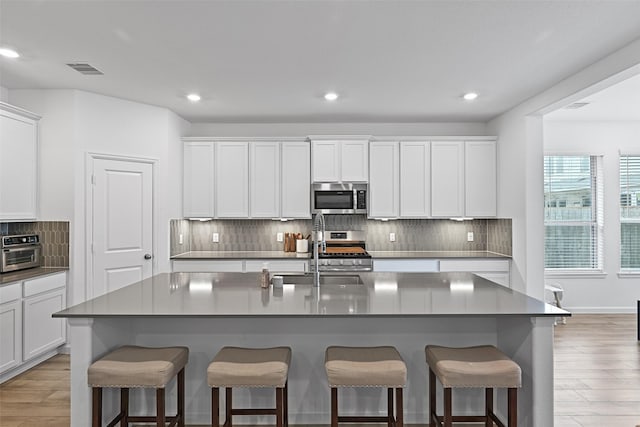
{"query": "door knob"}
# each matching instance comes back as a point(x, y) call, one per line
point(148, 256)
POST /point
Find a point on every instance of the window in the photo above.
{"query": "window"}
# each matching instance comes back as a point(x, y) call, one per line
point(630, 212)
point(573, 218)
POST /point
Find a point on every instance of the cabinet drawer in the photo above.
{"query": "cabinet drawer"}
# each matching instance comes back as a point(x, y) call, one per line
point(230, 266)
point(407, 265)
point(10, 293)
point(474, 265)
point(277, 266)
point(44, 284)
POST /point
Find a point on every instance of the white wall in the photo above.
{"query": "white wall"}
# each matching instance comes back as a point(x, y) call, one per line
point(520, 160)
point(4, 94)
point(75, 123)
point(610, 293)
point(304, 129)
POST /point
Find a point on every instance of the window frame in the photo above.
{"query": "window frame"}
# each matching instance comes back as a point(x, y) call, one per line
point(632, 271)
point(596, 162)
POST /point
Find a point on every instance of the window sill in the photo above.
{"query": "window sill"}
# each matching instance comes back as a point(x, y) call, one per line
point(628, 274)
point(595, 274)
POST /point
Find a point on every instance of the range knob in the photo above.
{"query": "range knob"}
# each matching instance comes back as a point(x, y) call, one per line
point(341, 262)
point(353, 261)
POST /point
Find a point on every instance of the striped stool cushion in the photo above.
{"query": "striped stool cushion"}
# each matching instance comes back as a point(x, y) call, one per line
point(365, 367)
point(249, 367)
point(483, 366)
point(132, 366)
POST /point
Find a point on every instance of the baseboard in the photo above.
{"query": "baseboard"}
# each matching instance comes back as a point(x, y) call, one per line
point(6, 376)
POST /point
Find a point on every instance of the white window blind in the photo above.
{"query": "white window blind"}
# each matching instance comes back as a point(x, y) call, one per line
point(573, 215)
point(630, 212)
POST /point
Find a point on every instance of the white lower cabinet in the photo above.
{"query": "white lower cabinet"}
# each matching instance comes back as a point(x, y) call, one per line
point(10, 327)
point(240, 266)
point(498, 271)
point(27, 329)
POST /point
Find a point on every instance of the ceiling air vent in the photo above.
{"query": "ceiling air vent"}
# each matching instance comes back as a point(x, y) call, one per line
point(84, 68)
point(576, 105)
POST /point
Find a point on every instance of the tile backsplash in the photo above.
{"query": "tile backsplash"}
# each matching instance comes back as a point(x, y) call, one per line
point(411, 234)
point(54, 237)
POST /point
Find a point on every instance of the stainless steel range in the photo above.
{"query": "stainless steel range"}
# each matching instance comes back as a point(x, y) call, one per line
point(346, 251)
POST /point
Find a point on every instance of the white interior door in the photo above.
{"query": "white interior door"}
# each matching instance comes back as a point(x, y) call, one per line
point(122, 222)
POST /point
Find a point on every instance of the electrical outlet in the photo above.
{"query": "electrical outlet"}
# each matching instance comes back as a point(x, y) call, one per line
point(392, 237)
point(280, 237)
point(180, 239)
point(470, 236)
point(215, 238)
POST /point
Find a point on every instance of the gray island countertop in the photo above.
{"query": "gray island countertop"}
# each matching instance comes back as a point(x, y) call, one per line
point(378, 295)
point(202, 255)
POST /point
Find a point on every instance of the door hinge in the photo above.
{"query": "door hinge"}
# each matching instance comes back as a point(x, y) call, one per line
point(93, 179)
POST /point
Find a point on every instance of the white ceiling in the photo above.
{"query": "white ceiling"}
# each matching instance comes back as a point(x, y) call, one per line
point(271, 61)
point(620, 102)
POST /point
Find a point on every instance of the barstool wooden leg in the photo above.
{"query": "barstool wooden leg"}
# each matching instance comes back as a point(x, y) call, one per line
point(448, 421)
point(432, 398)
point(286, 404)
point(488, 406)
point(399, 408)
point(96, 411)
point(228, 392)
point(390, 419)
point(160, 407)
point(334, 407)
point(124, 406)
point(215, 407)
point(279, 398)
point(513, 407)
point(180, 398)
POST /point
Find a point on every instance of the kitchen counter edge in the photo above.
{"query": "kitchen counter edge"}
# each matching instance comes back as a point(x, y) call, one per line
point(31, 273)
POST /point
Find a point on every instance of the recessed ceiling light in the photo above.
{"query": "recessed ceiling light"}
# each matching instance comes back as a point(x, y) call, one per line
point(193, 97)
point(330, 96)
point(470, 96)
point(9, 53)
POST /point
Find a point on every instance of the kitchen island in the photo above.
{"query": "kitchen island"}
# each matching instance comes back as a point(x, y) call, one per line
point(206, 311)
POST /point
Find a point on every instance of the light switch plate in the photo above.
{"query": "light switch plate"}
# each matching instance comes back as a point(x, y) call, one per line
point(180, 239)
point(215, 238)
point(392, 237)
point(280, 237)
point(470, 236)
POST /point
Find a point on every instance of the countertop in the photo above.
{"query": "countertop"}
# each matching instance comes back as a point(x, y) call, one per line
point(30, 273)
point(200, 255)
point(241, 255)
point(379, 295)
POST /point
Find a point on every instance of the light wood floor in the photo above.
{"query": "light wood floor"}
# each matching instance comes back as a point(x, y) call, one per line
point(597, 379)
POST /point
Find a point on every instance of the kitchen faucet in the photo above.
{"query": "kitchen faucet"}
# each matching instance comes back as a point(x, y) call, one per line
point(318, 227)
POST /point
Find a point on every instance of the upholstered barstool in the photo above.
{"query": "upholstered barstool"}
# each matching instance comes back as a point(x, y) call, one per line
point(366, 367)
point(139, 367)
point(472, 367)
point(236, 367)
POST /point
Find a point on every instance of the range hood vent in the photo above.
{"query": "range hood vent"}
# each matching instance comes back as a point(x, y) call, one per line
point(84, 68)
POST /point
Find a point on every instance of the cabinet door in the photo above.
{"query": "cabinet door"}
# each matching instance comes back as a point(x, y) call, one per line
point(326, 161)
point(296, 188)
point(232, 179)
point(10, 335)
point(41, 331)
point(415, 179)
point(265, 180)
point(480, 179)
point(354, 161)
point(383, 180)
point(19, 170)
point(447, 178)
point(198, 180)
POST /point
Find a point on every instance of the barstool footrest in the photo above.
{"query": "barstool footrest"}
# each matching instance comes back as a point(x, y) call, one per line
point(469, 419)
point(254, 411)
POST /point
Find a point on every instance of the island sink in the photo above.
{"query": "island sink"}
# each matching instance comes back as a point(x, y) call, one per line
point(325, 279)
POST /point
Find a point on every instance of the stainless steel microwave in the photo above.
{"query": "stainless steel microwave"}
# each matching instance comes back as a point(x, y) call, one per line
point(19, 252)
point(333, 198)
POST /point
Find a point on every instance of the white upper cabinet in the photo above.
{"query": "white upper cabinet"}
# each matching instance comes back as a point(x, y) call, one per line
point(463, 179)
point(383, 180)
point(340, 160)
point(295, 189)
point(232, 179)
point(262, 178)
point(265, 180)
point(415, 179)
point(198, 184)
point(19, 170)
point(447, 178)
point(480, 179)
